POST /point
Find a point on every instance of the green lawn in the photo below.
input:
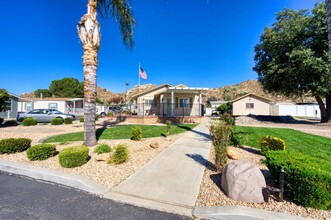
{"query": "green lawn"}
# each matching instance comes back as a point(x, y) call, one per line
point(313, 145)
point(123, 132)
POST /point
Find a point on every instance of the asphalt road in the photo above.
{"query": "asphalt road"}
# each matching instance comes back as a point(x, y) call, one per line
point(22, 198)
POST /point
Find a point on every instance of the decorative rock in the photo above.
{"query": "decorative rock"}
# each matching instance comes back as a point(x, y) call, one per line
point(243, 181)
point(102, 157)
point(232, 155)
point(154, 145)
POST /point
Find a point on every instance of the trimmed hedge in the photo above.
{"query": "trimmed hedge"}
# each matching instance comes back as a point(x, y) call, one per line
point(73, 156)
point(271, 143)
point(57, 121)
point(29, 121)
point(307, 179)
point(136, 133)
point(121, 154)
point(68, 121)
point(13, 145)
point(41, 152)
point(81, 119)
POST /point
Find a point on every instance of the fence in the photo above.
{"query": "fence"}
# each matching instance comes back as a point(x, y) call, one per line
point(165, 109)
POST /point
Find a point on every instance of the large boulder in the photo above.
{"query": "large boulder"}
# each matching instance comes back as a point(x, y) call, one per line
point(243, 181)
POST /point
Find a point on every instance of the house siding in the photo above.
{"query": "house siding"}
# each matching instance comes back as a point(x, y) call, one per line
point(261, 107)
point(13, 112)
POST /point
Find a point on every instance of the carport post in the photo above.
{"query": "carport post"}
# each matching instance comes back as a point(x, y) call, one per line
point(172, 103)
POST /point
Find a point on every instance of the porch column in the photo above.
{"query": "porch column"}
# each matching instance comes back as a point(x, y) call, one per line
point(172, 103)
point(200, 107)
point(74, 107)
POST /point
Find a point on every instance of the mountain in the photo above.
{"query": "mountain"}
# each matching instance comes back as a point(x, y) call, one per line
point(249, 86)
point(221, 93)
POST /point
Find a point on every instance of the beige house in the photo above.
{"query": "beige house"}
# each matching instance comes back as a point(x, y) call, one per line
point(65, 105)
point(169, 101)
point(251, 104)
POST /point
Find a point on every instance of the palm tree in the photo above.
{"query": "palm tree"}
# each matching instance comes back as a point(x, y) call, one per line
point(126, 92)
point(89, 34)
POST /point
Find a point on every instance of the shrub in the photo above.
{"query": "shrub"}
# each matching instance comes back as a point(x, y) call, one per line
point(228, 119)
point(29, 121)
point(103, 148)
point(110, 113)
point(168, 123)
point(81, 119)
point(126, 111)
point(120, 155)
point(97, 117)
point(13, 145)
point(41, 151)
point(73, 156)
point(57, 121)
point(220, 133)
point(10, 123)
point(307, 179)
point(1, 120)
point(271, 143)
point(68, 121)
point(136, 133)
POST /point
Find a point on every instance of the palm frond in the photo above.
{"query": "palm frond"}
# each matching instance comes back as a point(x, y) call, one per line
point(121, 11)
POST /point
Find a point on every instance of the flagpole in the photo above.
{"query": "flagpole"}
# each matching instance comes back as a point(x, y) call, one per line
point(139, 77)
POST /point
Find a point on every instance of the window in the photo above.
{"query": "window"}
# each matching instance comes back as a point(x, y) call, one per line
point(8, 105)
point(52, 105)
point(149, 101)
point(37, 111)
point(249, 105)
point(184, 102)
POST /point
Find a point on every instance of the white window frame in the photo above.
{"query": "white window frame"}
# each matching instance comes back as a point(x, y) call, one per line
point(52, 103)
point(184, 104)
point(249, 105)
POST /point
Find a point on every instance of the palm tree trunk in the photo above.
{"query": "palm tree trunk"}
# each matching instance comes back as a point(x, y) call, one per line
point(89, 33)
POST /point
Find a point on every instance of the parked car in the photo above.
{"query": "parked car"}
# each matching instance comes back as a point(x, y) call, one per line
point(44, 115)
point(113, 109)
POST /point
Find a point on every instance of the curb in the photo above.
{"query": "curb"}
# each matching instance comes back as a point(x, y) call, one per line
point(240, 213)
point(67, 179)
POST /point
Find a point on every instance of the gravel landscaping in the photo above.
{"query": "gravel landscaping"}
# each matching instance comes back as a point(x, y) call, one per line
point(211, 194)
point(108, 175)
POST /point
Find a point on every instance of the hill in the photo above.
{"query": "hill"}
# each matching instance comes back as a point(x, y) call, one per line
point(221, 93)
point(249, 86)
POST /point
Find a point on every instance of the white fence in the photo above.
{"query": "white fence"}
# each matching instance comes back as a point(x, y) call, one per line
point(309, 110)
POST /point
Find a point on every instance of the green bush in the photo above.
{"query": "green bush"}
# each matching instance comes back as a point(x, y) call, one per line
point(227, 118)
point(126, 111)
point(41, 151)
point(103, 148)
point(221, 133)
point(1, 120)
point(13, 145)
point(57, 121)
point(110, 113)
point(168, 123)
point(271, 143)
point(121, 154)
point(10, 123)
point(68, 121)
point(29, 121)
point(307, 179)
point(73, 156)
point(136, 133)
point(81, 119)
point(97, 117)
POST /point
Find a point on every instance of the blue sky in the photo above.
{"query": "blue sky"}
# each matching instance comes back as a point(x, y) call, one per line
point(200, 43)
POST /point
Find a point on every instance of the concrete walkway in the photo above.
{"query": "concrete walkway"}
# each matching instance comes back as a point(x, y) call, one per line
point(172, 180)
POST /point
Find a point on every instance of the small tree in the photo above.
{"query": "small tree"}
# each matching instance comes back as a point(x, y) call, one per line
point(4, 96)
point(220, 132)
point(223, 108)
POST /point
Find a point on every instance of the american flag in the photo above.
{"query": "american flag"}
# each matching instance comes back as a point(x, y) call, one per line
point(142, 73)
